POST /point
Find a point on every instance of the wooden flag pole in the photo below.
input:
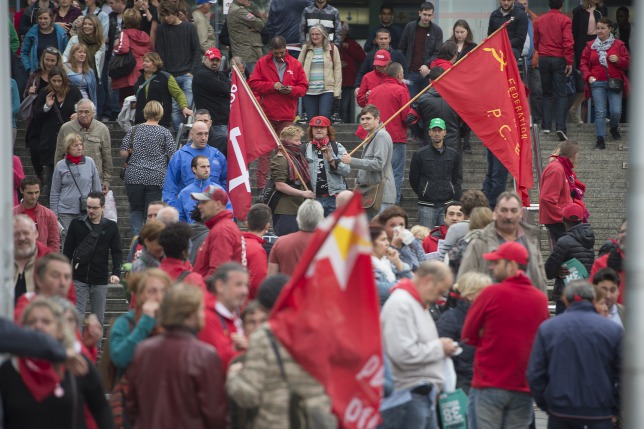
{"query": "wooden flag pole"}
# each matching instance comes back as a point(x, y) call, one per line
point(381, 126)
point(268, 123)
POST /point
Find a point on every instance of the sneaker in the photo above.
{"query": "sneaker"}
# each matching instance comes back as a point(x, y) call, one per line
point(562, 136)
point(546, 131)
point(615, 134)
point(577, 118)
point(601, 144)
point(336, 119)
point(303, 120)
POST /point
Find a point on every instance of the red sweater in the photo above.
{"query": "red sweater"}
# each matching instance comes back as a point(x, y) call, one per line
point(175, 267)
point(257, 262)
point(369, 82)
point(389, 97)
point(554, 193)
point(590, 65)
point(430, 244)
point(502, 324)
point(217, 331)
point(223, 244)
point(351, 54)
point(278, 106)
point(553, 36)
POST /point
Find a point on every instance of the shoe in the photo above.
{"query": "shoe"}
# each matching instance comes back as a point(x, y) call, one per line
point(336, 119)
point(577, 119)
point(105, 118)
point(615, 134)
point(601, 144)
point(562, 136)
point(546, 131)
point(303, 119)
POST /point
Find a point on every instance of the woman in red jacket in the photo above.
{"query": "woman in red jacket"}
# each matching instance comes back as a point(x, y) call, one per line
point(603, 65)
point(131, 40)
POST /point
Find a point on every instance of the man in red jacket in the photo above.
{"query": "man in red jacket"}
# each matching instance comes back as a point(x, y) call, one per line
point(278, 81)
point(223, 243)
point(374, 78)
point(258, 221)
point(227, 292)
point(502, 324)
point(557, 186)
point(389, 98)
point(555, 45)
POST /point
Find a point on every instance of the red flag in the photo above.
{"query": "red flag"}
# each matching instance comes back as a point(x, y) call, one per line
point(327, 317)
point(485, 89)
point(249, 136)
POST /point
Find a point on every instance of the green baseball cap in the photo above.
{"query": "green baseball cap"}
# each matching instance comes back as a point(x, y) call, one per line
point(437, 123)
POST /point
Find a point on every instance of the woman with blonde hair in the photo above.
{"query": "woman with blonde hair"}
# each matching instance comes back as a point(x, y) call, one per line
point(74, 178)
point(38, 394)
point(148, 147)
point(79, 72)
point(323, 67)
point(450, 324)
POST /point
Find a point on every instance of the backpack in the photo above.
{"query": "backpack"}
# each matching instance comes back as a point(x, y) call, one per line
point(458, 250)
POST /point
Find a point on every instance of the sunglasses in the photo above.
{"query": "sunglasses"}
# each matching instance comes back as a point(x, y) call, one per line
point(51, 50)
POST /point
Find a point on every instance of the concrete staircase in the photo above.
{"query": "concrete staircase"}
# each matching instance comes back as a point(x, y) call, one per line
point(605, 174)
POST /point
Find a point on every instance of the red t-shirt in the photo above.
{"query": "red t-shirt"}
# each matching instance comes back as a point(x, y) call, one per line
point(32, 214)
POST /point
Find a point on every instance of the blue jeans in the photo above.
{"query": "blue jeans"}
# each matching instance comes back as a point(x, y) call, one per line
point(318, 105)
point(419, 413)
point(284, 224)
point(496, 179)
point(347, 110)
point(328, 203)
point(416, 83)
point(601, 97)
point(398, 161)
point(498, 409)
point(100, 99)
point(553, 82)
point(431, 217)
point(536, 95)
point(139, 197)
point(185, 83)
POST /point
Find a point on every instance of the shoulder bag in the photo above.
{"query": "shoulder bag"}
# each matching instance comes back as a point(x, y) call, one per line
point(26, 110)
point(614, 84)
point(121, 65)
point(130, 151)
point(81, 200)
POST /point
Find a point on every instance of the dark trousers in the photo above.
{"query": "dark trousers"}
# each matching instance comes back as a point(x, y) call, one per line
point(496, 179)
point(555, 232)
point(284, 224)
point(563, 423)
point(536, 94)
point(553, 81)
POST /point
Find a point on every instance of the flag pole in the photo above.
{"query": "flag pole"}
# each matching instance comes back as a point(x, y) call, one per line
point(370, 136)
point(268, 124)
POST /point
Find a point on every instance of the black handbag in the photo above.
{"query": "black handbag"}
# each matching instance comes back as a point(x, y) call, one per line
point(270, 195)
point(121, 65)
point(614, 84)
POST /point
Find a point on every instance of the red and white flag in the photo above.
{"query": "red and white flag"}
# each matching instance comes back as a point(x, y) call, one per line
point(328, 319)
point(492, 101)
point(249, 136)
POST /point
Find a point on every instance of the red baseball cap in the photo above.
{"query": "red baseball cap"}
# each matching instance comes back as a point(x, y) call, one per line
point(212, 53)
point(510, 250)
point(381, 58)
point(212, 192)
point(320, 121)
point(572, 212)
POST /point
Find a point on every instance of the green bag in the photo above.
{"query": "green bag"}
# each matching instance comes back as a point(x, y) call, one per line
point(453, 409)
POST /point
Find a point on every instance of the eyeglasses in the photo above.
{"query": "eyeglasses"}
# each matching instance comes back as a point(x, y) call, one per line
point(94, 208)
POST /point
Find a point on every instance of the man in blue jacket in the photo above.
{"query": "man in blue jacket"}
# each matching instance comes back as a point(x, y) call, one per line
point(184, 203)
point(575, 364)
point(180, 175)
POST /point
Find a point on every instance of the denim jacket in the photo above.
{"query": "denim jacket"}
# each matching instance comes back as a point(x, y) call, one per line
point(335, 178)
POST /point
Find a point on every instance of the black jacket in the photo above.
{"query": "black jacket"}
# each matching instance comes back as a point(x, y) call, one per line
point(211, 91)
point(449, 325)
point(96, 271)
point(433, 42)
point(367, 64)
point(49, 122)
point(157, 90)
point(580, 19)
point(517, 29)
point(434, 176)
point(575, 364)
point(431, 105)
point(578, 242)
point(284, 18)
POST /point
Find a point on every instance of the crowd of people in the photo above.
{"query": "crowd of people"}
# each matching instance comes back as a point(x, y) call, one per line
point(200, 284)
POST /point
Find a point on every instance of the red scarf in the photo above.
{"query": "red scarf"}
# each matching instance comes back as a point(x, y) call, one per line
point(321, 144)
point(74, 159)
point(299, 162)
point(40, 378)
point(409, 287)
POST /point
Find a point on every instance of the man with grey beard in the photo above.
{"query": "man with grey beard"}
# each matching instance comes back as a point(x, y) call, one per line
point(26, 251)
